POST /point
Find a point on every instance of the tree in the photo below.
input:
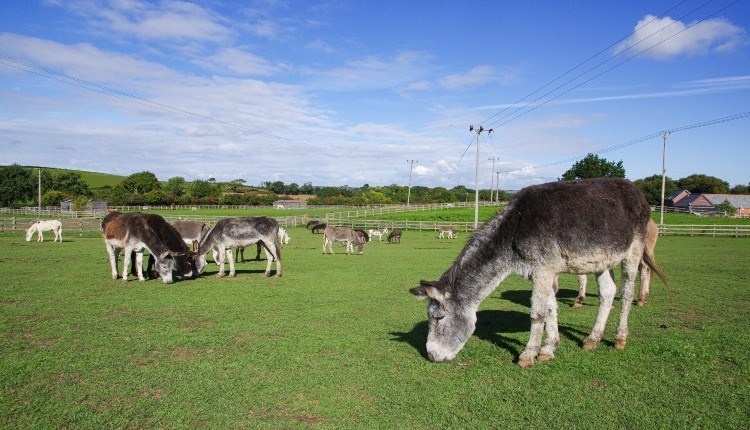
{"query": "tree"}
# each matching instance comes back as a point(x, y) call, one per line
point(700, 183)
point(592, 166)
point(71, 183)
point(202, 189)
point(307, 188)
point(52, 198)
point(176, 186)
point(651, 188)
point(740, 189)
point(726, 208)
point(16, 185)
point(141, 183)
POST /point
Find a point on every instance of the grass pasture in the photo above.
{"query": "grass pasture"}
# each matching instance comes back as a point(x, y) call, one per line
point(338, 342)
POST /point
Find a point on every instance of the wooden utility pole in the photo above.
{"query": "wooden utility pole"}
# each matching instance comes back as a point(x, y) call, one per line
point(665, 137)
point(497, 184)
point(39, 191)
point(408, 195)
point(479, 131)
point(492, 178)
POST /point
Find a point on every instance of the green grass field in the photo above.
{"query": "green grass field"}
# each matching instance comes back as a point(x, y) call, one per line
point(338, 342)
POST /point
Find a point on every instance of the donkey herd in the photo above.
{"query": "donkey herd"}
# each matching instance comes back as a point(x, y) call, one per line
point(579, 227)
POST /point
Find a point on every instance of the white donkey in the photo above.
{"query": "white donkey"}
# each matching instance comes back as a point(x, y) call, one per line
point(443, 229)
point(378, 233)
point(45, 225)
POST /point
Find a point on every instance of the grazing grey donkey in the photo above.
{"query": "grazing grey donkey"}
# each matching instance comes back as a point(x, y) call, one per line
point(342, 234)
point(245, 231)
point(191, 232)
point(581, 226)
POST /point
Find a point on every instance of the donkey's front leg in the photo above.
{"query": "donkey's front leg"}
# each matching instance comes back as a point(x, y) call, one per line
point(126, 262)
point(113, 254)
point(607, 289)
point(222, 256)
point(139, 264)
point(540, 299)
point(231, 262)
point(550, 325)
point(582, 280)
point(39, 237)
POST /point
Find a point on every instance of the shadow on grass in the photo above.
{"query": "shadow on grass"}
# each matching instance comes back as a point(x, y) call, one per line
point(491, 325)
point(523, 297)
point(567, 296)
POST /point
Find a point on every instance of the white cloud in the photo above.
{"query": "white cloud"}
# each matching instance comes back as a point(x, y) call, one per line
point(374, 72)
point(240, 62)
point(671, 38)
point(479, 75)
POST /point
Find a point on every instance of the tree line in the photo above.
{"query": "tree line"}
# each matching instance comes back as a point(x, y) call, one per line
point(18, 187)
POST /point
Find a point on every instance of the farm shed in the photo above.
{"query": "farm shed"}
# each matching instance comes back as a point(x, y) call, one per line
point(66, 205)
point(289, 204)
point(740, 201)
point(97, 206)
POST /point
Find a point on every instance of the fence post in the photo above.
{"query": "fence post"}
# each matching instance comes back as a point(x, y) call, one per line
point(14, 224)
point(80, 229)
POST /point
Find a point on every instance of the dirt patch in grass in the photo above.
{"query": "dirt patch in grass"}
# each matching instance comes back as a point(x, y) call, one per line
point(192, 324)
point(183, 353)
point(283, 413)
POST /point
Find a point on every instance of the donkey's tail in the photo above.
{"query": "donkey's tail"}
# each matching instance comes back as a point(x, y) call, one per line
point(652, 265)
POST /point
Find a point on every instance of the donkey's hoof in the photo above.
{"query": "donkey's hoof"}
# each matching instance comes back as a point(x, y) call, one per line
point(219, 275)
point(577, 305)
point(267, 274)
point(641, 302)
point(232, 274)
point(620, 343)
point(589, 344)
point(278, 275)
point(526, 362)
point(545, 356)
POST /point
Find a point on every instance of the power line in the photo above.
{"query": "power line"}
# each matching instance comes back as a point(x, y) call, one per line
point(537, 106)
point(577, 66)
point(584, 62)
point(643, 139)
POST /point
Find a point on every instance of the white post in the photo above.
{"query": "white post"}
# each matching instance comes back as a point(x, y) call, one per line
point(665, 136)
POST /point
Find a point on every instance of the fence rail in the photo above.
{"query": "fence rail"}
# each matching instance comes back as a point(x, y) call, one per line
point(93, 225)
point(334, 216)
point(705, 230)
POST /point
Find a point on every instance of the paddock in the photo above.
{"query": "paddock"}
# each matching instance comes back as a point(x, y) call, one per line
point(339, 343)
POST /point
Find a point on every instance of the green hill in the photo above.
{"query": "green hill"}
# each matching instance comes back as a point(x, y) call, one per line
point(95, 180)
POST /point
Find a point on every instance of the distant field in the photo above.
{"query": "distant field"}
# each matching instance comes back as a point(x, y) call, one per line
point(339, 343)
point(93, 179)
point(310, 212)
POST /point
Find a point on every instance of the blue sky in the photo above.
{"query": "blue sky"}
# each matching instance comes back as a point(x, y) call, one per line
point(345, 92)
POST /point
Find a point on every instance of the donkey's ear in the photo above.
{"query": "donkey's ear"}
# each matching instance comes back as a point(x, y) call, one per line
point(431, 289)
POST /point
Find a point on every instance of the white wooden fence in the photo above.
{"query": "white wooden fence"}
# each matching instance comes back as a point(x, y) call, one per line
point(80, 226)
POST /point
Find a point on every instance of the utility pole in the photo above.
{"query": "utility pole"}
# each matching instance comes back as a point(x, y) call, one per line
point(665, 137)
point(476, 174)
point(492, 178)
point(408, 196)
point(497, 184)
point(39, 191)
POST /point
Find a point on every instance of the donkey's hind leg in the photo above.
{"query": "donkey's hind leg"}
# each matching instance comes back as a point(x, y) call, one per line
point(629, 273)
point(271, 249)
